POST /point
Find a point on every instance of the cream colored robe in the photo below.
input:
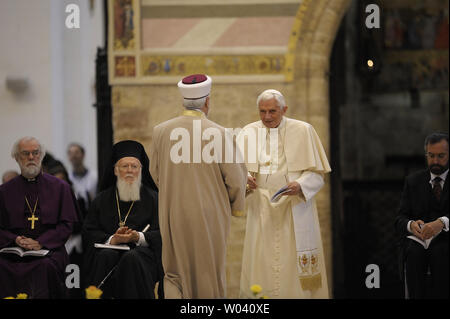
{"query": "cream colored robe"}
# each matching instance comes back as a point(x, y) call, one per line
point(270, 258)
point(196, 202)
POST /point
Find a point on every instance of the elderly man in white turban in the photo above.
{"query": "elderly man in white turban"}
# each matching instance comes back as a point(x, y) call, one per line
point(283, 250)
point(198, 194)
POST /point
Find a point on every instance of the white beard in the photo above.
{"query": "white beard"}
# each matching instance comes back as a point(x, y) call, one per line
point(30, 171)
point(129, 192)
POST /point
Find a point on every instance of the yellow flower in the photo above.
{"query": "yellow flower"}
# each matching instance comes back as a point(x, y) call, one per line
point(264, 297)
point(9, 298)
point(256, 289)
point(93, 292)
point(22, 296)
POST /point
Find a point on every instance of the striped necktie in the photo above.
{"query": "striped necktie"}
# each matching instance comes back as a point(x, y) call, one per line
point(437, 188)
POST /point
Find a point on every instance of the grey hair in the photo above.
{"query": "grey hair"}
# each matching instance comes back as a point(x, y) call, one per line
point(272, 94)
point(194, 104)
point(15, 149)
point(434, 138)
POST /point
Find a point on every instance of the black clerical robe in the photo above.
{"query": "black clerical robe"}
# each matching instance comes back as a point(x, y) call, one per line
point(55, 212)
point(138, 269)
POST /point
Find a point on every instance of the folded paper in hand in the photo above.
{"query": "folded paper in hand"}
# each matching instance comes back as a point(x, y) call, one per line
point(276, 197)
point(120, 247)
point(424, 243)
point(21, 252)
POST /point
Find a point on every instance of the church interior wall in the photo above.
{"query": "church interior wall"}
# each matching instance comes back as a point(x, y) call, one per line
point(19, 37)
point(58, 64)
point(384, 114)
point(385, 121)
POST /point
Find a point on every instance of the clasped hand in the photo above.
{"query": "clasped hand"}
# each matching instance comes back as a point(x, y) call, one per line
point(28, 243)
point(424, 230)
point(124, 235)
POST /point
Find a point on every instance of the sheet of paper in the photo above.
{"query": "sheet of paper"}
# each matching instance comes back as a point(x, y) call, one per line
point(121, 247)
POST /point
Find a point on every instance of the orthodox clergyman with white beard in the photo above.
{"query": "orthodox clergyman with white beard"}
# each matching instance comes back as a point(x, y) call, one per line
point(124, 212)
point(37, 213)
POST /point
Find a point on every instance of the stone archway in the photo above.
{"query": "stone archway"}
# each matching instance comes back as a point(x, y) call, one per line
point(318, 29)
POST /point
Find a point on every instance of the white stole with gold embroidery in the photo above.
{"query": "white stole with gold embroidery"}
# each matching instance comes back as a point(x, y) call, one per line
point(306, 236)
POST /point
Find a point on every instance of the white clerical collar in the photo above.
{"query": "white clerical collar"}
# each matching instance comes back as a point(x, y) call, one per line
point(33, 179)
point(443, 176)
point(282, 123)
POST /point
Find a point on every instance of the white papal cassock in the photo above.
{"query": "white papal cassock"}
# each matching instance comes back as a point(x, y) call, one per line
point(283, 250)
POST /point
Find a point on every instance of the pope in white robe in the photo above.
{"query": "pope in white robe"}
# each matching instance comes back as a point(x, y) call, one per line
point(283, 251)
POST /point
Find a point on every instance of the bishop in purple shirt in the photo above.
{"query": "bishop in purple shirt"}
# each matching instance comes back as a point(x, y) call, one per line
point(37, 212)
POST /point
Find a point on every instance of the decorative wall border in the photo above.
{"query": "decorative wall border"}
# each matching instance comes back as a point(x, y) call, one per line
point(130, 64)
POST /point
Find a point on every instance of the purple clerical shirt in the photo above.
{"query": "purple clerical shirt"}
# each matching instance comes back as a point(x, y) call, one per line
point(56, 211)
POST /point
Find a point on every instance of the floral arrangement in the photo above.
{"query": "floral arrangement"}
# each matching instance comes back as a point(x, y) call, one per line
point(257, 290)
point(19, 296)
point(93, 292)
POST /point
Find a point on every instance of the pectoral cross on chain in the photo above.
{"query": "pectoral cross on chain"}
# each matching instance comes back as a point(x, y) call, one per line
point(32, 219)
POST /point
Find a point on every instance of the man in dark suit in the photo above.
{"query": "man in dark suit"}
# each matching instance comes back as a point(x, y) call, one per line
point(423, 213)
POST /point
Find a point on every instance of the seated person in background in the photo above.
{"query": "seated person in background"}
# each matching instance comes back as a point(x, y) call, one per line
point(423, 215)
point(37, 211)
point(73, 245)
point(54, 167)
point(84, 180)
point(9, 175)
point(126, 205)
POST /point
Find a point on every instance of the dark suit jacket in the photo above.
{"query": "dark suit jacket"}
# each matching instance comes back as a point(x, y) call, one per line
point(416, 204)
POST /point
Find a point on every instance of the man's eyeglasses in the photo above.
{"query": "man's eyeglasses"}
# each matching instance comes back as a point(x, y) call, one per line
point(26, 154)
point(432, 156)
point(133, 167)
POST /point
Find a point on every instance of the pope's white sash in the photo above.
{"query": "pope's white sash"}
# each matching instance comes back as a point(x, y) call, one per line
point(306, 240)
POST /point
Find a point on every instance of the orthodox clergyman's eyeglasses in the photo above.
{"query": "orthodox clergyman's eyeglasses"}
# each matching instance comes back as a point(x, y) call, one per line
point(133, 167)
